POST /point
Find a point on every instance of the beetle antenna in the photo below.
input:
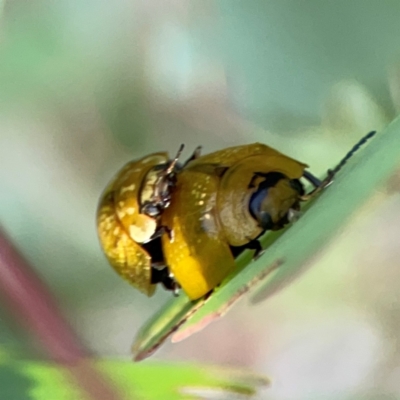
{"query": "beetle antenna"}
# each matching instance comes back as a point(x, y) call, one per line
point(174, 161)
point(320, 185)
point(350, 154)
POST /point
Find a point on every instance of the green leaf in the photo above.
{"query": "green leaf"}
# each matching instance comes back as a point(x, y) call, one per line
point(38, 380)
point(162, 325)
point(289, 253)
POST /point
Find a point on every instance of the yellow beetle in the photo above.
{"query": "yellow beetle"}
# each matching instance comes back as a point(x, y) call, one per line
point(182, 226)
point(128, 219)
point(223, 202)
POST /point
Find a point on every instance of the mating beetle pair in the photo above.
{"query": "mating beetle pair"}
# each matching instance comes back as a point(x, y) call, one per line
point(182, 225)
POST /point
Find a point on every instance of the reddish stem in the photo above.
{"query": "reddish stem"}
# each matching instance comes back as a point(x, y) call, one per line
point(35, 308)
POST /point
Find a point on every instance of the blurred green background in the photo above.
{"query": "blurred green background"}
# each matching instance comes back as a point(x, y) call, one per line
point(87, 85)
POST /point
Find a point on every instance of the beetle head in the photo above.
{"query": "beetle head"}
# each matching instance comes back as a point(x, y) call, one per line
point(276, 200)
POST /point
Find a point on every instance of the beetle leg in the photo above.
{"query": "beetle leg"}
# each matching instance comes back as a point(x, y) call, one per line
point(176, 287)
point(166, 179)
point(312, 179)
point(255, 245)
point(318, 184)
point(160, 231)
point(173, 163)
point(196, 154)
point(160, 273)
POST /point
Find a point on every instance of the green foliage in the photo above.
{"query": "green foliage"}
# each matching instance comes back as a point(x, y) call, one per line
point(29, 380)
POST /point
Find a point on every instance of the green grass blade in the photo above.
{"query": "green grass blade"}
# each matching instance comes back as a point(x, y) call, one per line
point(29, 380)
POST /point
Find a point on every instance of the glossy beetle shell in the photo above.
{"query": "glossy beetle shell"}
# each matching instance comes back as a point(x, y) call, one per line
point(209, 212)
point(122, 227)
point(199, 256)
point(234, 194)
